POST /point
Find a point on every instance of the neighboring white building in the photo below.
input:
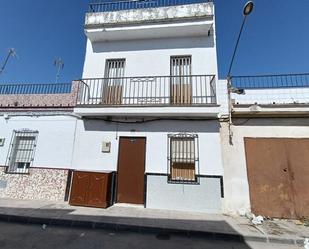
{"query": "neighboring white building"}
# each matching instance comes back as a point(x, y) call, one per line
point(266, 163)
point(150, 103)
point(37, 128)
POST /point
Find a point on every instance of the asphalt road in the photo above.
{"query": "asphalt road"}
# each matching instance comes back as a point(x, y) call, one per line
point(35, 237)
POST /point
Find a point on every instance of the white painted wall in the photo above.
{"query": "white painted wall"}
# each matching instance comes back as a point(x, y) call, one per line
point(274, 95)
point(91, 134)
point(237, 199)
point(151, 57)
point(203, 197)
point(222, 98)
point(54, 142)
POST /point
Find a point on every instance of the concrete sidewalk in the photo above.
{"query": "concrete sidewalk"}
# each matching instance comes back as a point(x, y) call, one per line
point(139, 219)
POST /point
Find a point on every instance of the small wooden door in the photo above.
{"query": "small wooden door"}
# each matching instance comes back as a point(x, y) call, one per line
point(131, 170)
point(113, 93)
point(181, 92)
point(79, 189)
point(90, 189)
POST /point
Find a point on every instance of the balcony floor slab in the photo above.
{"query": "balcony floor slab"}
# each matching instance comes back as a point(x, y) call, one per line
point(211, 111)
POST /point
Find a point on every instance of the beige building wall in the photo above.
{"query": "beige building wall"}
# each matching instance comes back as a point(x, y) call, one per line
point(236, 188)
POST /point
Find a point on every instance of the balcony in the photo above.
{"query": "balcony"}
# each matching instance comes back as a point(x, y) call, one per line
point(147, 95)
point(125, 20)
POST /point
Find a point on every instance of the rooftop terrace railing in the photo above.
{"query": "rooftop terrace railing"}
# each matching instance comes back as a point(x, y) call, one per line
point(272, 89)
point(60, 88)
point(271, 81)
point(138, 4)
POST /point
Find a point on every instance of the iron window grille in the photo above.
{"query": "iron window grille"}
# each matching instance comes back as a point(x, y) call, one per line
point(114, 69)
point(183, 158)
point(181, 66)
point(21, 153)
point(113, 85)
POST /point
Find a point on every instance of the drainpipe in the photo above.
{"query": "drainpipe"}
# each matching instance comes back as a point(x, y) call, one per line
point(230, 107)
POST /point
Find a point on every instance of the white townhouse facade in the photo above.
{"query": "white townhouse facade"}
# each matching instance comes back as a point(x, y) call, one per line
point(142, 125)
point(149, 123)
point(150, 102)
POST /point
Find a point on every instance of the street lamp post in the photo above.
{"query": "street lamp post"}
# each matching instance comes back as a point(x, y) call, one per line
point(248, 8)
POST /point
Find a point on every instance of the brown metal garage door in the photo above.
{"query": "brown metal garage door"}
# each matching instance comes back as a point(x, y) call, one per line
point(278, 174)
point(90, 189)
point(131, 170)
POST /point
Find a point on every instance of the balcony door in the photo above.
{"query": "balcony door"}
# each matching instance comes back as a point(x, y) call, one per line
point(113, 81)
point(181, 80)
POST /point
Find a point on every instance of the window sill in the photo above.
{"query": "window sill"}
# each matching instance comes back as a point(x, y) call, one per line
point(196, 182)
point(16, 173)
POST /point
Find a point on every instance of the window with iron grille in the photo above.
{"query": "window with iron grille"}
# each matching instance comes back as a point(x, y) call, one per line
point(113, 84)
point(114, 68)
point(21, 152)
point(183, 157)
point(181, 65)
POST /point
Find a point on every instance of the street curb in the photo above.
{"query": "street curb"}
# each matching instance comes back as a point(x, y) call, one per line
point(145, 229)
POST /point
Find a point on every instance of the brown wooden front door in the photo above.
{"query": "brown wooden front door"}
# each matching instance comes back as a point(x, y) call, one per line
point(278, 173)
point(90, 189)
point(131, 170)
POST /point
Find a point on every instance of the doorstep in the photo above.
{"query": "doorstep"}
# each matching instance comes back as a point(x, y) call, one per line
point(128, 205)
point(137, 219)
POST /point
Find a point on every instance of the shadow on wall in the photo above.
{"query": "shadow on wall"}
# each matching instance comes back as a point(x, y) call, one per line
point(153, 44)
point(271, 122)
point(169, 126)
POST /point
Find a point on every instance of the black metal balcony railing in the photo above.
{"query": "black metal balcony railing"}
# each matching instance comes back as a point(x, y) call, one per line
point(271, 81)
point(148, 91)
point(138, 4)
point(36, 88)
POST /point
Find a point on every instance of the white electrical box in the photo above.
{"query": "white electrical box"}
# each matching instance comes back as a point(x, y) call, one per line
point(2, 140)
point(106, 147)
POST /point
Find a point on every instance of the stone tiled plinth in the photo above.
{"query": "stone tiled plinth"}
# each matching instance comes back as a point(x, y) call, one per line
point(39, 184)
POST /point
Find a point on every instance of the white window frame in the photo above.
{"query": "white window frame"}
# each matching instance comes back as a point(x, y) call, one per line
point(28, 150)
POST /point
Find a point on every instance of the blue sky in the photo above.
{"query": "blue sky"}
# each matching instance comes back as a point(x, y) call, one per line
point(275, 39)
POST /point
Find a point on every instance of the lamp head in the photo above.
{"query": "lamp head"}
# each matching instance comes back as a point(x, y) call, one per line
point(248, 8)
